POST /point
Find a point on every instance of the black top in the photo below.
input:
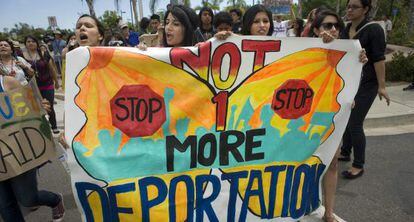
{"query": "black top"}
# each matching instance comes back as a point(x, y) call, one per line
point(204, 35)
point(237, 26)
point(372, 39)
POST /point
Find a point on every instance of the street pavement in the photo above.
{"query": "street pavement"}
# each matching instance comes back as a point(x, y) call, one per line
point(385, 191)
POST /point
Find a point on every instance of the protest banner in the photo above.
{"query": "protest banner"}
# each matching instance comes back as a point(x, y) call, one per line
point(279, 6)
point(26, 139)
point(237, 130)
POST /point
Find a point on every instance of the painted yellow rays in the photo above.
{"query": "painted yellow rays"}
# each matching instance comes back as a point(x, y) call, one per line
point(110, 69)
point(316, 66)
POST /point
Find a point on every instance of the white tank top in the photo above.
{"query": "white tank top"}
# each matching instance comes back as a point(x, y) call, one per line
point(1, 84)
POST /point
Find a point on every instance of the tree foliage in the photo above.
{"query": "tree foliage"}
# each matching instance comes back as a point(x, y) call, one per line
point(153, 6)
point(307, 6)
point(214, 5)
point(109, 20)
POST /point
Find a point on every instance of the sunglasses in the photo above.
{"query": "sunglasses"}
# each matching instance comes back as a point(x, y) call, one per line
point(353, 7)
point(329, 25)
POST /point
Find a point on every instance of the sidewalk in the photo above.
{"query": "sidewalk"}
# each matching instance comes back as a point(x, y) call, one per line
point(397, 48)
point(399, 115)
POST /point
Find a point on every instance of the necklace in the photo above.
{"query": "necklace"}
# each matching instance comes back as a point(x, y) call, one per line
point(34, 61)
point(31, 57)
point(4, 70)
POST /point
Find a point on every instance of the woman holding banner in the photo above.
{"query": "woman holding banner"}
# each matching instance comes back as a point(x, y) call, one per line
point(327, 25)
point(180, 24)
point(257, 21)
point(89, 31)
point(23, 188)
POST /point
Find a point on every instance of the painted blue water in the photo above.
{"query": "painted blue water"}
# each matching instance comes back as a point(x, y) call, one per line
point(142, 157)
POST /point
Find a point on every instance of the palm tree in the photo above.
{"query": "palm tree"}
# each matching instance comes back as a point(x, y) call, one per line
point(140, 8)
point(116, 3)
point(134, 9)
point(411, 18)
point(375, 7)
point(338, 6)
point(90, 6)
point(237, 3)
point(216, 3)
point(187, 3)
point(152, 5)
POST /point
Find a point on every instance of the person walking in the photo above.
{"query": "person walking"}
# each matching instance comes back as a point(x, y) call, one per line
point(372, 39)
point(23, 188)
point(45, 74)
point(58, 45)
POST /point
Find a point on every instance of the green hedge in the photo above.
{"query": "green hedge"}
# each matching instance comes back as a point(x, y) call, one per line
point(401, 68)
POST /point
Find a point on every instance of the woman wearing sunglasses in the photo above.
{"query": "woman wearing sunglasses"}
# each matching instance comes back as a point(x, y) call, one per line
point(372, 38)
point(328, 25)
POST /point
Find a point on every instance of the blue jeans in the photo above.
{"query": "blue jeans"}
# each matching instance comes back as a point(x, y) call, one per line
point(23, 189)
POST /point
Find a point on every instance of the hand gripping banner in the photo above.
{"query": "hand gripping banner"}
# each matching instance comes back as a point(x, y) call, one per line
point(241, 130)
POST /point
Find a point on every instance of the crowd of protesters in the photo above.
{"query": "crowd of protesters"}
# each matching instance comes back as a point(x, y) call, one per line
point(181, 26)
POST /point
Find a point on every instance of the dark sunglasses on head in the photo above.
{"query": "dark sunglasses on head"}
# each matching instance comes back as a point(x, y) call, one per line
point(329, 25)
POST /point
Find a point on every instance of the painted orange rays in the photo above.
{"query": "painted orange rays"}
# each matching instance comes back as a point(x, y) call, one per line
point(107, 72)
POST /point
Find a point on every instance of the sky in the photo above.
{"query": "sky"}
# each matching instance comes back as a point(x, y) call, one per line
point(35, 12)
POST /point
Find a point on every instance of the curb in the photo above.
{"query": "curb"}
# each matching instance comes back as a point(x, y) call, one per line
point(389, 121)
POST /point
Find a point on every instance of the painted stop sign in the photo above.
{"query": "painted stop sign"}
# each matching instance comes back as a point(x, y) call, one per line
point(293, 99)
point(137, 110)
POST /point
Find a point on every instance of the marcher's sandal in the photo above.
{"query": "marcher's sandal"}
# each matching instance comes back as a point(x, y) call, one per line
point(409, 87)
point(329, 219)
point(348, 175)
point(58, 212)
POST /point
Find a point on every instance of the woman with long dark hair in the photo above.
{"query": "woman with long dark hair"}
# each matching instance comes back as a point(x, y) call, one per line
point(89, 31)
point(180, 23)
point(205, 30)
point(256, 21)
point(45, 74)
point(328, 25)
point(297, 28)
point(372, 39)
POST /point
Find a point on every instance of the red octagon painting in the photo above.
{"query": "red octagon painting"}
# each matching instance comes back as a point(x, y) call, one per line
point(137, 110)
point(293, 99)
